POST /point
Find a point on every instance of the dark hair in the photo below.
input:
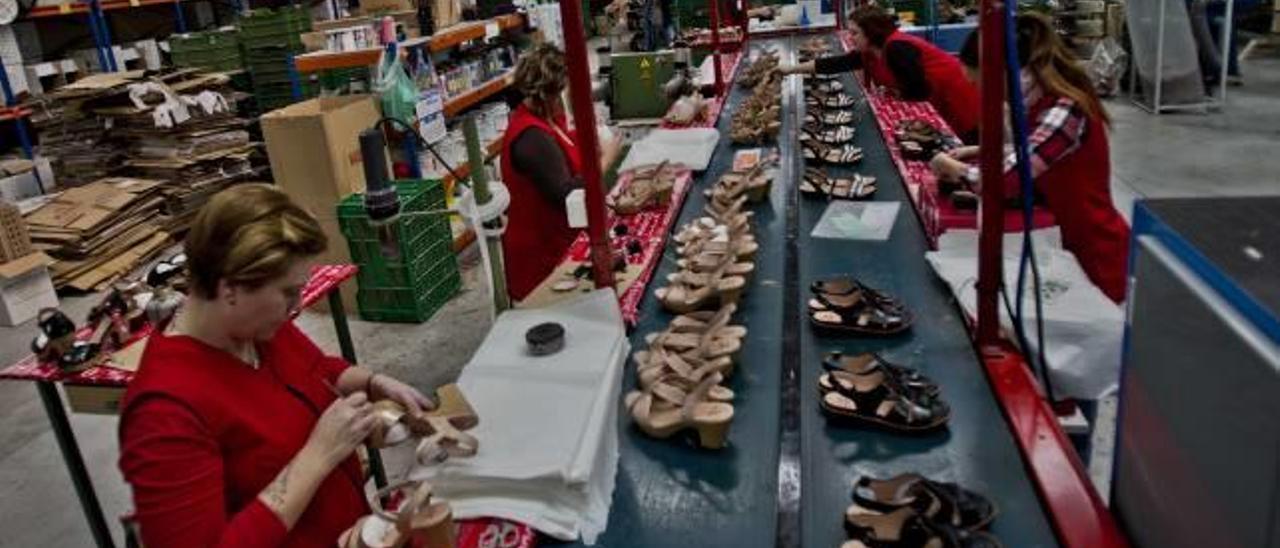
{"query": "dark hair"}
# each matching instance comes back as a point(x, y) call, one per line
point(876, 24)
point(1042, 53)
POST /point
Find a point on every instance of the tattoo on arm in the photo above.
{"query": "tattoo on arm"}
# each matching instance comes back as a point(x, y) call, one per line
point(275, 493)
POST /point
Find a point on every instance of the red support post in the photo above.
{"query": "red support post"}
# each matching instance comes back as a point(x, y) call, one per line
point(746, 25)
point(991, 168)
point(839, 6)
point(715, 46)
point(584, 116)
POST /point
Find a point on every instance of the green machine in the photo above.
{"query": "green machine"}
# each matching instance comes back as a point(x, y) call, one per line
point(636, 82)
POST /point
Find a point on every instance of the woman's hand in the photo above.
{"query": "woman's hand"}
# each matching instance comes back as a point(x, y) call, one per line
point(948, 168)
point(964, 153)
point(609, 152)
point(342, 427)
point(412, 400)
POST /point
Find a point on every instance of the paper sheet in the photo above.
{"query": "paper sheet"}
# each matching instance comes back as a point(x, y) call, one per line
point(845, 220)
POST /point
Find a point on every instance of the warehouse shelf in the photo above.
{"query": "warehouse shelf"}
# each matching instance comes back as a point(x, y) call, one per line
point(440, 41)
point(69, 8)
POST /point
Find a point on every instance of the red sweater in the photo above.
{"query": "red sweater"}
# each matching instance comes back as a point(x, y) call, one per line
point(202, 433)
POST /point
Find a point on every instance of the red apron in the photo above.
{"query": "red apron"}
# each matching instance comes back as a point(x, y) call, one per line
point(952, 95)
point(538, 232)
point(1077, 190)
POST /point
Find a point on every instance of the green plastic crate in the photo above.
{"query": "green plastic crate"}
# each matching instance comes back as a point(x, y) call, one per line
point(424, 275)
point(269, 20)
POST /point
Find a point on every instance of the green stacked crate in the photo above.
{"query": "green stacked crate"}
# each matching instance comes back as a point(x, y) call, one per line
point(210, 50)
point(423, 274)
point(269, 37)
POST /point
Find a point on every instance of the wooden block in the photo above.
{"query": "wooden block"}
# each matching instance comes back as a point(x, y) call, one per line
point(98, 400)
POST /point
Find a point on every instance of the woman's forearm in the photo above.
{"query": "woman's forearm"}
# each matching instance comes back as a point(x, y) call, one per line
point(290, 492)
point(355, 379)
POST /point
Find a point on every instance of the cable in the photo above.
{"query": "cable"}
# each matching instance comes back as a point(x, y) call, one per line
point(464, 181)
point(1018, 123)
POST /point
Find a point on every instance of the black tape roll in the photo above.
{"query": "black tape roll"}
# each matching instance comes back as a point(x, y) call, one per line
point(545, 339)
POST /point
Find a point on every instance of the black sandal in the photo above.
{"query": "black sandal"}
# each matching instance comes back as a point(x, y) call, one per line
point(57, 335)
point(848, 285)
point(908, 379)
point(873, 400)
point(863, 316)
point(835, 101)
point(904, 528)
point(838, 135)
point(826, 87)
point(839, 155)
point(832, 118)
point(946, 503)
point(816, 183)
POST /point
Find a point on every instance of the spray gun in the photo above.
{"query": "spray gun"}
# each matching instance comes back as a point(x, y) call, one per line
point(381, 203)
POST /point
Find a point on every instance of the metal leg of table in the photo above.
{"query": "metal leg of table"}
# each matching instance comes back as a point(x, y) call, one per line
point(339, 314)
point(54, 408)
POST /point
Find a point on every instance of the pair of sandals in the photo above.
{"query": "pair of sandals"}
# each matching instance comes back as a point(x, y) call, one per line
point(816, 182)
point(712, 272)
point(441, 432)
point(836, 135)
point(824, 86)
point(766, 63)
point(910, 510)
point(650, 187)
point(753, 183)
point(692, 347)
point(871, 392)
point(828, 118)
point(830, 102)
point(419, 521)
point(918, 140)
point(846, 305)
point(110, 325)
point(837, 155)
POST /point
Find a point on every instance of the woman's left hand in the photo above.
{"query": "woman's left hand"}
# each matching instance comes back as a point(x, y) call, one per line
point(948, 168)
point(413, 401)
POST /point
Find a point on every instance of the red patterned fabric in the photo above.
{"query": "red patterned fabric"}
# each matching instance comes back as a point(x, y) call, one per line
point(650, 228)
point(495, 533)
point(324, 278)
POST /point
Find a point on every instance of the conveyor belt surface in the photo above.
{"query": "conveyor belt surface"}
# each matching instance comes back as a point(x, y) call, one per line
point(670, 493)
point(977, 450)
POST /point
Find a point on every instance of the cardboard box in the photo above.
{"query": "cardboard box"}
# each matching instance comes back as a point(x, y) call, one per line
point(98, 400)
point(19, 179)
point(25, 288)
point(379, 6)
point(314, 149)
point(15, 240)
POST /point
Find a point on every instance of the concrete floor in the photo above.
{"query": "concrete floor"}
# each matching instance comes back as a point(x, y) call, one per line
point(1232, 153)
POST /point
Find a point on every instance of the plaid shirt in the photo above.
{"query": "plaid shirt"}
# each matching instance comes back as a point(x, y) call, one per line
point(1058, 132)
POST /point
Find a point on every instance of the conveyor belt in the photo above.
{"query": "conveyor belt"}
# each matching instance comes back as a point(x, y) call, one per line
point(670, 493)
point(977, 451)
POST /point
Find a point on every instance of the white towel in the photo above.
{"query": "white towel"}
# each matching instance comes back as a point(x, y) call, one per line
point(548, 425)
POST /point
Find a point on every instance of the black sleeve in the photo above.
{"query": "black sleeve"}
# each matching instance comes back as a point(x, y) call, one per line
point(838, 63)
point(904, 60)
point(535, 154)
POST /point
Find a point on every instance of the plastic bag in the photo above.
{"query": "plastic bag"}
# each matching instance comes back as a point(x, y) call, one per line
point(395, 88)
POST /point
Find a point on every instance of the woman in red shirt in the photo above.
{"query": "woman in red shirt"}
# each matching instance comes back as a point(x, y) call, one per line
point(231, 433)
point(540, 166)
point(914, 69)
point(1070, 157)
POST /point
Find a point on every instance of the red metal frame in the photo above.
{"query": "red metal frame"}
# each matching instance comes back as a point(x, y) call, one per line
point(991, 166)
point(584, 116)
point(715, 45)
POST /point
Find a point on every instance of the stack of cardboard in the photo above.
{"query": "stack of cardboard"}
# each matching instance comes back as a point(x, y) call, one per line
point(195, 151)
point(99, 232)
point(74, 141)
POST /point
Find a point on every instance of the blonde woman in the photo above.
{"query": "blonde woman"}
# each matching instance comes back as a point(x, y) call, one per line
point(231, 434)
point(541, 165)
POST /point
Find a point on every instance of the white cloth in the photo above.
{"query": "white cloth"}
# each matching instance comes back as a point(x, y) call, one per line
point(691, 147)
point(1083, 329)
point(548, 425)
